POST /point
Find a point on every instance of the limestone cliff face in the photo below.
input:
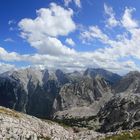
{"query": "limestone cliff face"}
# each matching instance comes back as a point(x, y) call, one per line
point(130, 83)
point(78, 99)
point(43, 93)
point(30, 91)
point(121, 112)
point(123, 109)
point(81, 98)
point(111, 78)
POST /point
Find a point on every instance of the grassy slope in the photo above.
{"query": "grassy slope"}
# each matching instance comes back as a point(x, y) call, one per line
point(128, 135)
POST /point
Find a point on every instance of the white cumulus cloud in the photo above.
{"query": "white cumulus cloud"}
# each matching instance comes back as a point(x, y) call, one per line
point(9, 40)
point(6, 67)
point(111, 21)
point(77, 2)
point(52, 21)
point(127, 20)
point(42, 32)
point(93, 33)
point(70, 42)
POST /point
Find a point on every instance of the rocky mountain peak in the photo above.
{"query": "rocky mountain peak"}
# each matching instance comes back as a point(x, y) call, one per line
point(110, 77)
point(130, 83)
point(61, 77)
point(133, 73)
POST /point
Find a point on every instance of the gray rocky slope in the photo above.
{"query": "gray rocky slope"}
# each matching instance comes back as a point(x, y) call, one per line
point(77, 99)
point(122, 112)
point(111, 78)
point(54, 94)
point(123, 109)
point(18, 126)
point(129, 83)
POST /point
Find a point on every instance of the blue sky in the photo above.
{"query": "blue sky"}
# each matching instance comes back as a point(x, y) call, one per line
point(70, 34)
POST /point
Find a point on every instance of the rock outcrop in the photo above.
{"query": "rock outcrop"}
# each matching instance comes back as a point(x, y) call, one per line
point(122, 112)
point(15, 126)
point(30, 91)
point(129, 83)
point(43, 93)
point(78, 99)
point(111, 78)
point(81, 99)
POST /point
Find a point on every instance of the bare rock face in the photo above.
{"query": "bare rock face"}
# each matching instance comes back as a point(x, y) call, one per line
point(111, 78)
point(76, 99)
point(15, 126)
point(121, 112)
point(81, 99)
point(129, 83)
point(31, 91)
point(45, 93)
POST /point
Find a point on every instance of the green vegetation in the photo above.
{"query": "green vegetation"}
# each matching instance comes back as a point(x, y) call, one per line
point(87, 122)
point(9, 112)
point(43, 138)
point(129, 135)
point(64, 125)
point(48, 121)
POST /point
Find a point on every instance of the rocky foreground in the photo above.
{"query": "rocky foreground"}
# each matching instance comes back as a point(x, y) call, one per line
point(56, 94)
point(19, 126)
point(95, 104)
point(15, 126)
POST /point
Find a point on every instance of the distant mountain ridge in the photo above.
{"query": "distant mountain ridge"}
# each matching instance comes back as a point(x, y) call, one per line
point(110, 77)
point(83, 99)
point(40, 92)
point(129, 82)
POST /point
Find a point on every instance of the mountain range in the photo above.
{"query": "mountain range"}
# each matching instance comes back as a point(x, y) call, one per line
point(96, 99)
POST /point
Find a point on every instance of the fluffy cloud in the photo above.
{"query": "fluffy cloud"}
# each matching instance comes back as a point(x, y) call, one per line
point(111, 21)
point(52, 46)
point(125, 45)
point(43, 31)
point(52, 21)
point(93, 33)
point(79, 61)
point(70, 42)
point(12, 25)
point(77, 2)
point(11, 22)
point(9, 56)
point(127, 20)
point(9, 40)
point(6, 67)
